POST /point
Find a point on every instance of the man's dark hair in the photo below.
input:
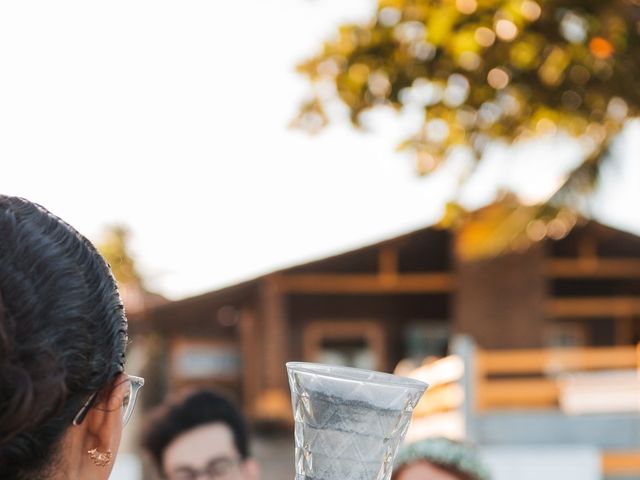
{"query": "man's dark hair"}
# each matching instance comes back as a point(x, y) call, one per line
point(198, 408)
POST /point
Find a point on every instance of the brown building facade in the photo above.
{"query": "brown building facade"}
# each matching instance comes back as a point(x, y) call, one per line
point(401, 298)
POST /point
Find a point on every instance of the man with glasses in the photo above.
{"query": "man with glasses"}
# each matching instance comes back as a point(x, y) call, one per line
point(202, 436)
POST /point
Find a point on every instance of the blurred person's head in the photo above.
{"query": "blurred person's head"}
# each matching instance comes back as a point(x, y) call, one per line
point(438, 459)
point(63, 335)
point(202, 435)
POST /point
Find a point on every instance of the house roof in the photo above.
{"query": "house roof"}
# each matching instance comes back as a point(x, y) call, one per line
point(413, 245)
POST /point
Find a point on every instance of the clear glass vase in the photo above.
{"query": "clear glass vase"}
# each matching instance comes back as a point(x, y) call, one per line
point(348, 422)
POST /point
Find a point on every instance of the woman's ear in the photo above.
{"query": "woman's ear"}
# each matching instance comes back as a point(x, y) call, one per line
point(104, 420)
point(101, 430)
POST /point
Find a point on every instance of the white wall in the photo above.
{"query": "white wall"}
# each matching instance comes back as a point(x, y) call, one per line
point(547, 462)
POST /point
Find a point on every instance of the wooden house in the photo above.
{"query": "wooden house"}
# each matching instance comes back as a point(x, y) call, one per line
point(401, 298)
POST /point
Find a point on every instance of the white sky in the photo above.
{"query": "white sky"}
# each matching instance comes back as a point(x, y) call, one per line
point(171, 117)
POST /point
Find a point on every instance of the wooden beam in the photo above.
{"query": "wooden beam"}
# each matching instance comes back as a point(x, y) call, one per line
point(593, 307)
point(518, 393)
point(621, 462)
point(367, 283)
point(533, 361)
point(594, 268)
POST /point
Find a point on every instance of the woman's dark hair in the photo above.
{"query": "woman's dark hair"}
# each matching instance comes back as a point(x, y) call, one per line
point(63, 334)
point(198, 408)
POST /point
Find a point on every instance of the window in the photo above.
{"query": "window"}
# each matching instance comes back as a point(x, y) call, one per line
point(349, 343)
point(566, 334)
point(426, 338)
point(349, 352)
point(197, 359)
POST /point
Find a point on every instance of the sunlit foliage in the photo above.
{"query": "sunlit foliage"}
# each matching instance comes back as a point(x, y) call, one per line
point(489, 70)
point(114, 247)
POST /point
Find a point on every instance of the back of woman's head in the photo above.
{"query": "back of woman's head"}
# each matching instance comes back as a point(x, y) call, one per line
point(62, 333)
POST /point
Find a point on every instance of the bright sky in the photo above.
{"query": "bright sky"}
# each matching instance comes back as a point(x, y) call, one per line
point(171, 117)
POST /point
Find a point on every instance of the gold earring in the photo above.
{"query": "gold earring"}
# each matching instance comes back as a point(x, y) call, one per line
point(100, 459)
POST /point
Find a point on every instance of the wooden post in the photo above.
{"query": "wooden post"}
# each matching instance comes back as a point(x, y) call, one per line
point(275, 333)
point(624, 330)
point(250, 359)
point(388, 264)
point(588, 252)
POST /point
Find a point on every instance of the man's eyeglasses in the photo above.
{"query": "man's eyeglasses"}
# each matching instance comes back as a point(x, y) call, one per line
point(128, 404)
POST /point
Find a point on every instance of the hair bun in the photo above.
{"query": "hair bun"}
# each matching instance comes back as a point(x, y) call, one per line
point(30, 390)
point(17, 411)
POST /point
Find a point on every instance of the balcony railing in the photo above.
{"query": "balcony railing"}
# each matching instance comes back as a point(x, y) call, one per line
point(572, 383)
